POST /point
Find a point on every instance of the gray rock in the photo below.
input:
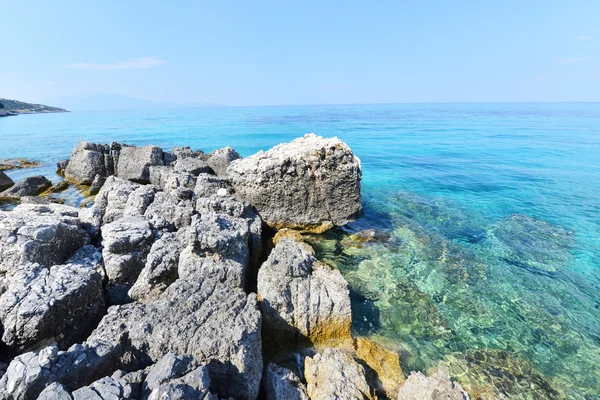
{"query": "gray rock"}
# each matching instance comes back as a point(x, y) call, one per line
point(220, 159)
point(119, 197)
point(119, 386)
point(55, 391)
point(63, 302)
point(302, 300)
point(134, 162)
point(437, 386)
point(208, 185)
point(282, 384)
point(61, 166)
point(334, 374)
point(87, 161)
point(27, 375)
point(216, 324)
point(31, 186)
point(169, 213)
point(310, 184)
point(97, 184)
point(33, 233)
point(186, 152)
point(91, 219)
point(5, 181)
point(193, 166)
point(177, 184)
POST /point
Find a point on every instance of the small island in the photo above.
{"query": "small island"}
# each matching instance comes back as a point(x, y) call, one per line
point(14, 107)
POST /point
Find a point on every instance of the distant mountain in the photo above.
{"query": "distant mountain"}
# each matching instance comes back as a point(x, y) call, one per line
point(13, 107)
point(110, 102)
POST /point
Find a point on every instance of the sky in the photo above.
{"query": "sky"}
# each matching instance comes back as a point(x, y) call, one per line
point(284, 52)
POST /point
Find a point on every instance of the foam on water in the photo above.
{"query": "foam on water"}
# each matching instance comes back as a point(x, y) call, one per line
point(480, 246)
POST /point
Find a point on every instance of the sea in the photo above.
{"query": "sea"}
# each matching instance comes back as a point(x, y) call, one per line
point(479, 249)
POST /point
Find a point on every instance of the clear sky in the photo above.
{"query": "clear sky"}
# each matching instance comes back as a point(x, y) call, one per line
point(255, 52)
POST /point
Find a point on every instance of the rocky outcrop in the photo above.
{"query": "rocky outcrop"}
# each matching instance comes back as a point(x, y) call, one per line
point(334, 374)
point(5, 181)
point(437, 386)
point(134, 162)
point(220, 159)
point(302, 300)
point(88, 160)
point(31, 186)
point(309, 184)
point(119, 198)
point(192, 166)
point(96, 184)
point(280, 383)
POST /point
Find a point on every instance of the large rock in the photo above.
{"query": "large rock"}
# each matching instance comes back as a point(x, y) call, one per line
point(37, 233)
point(118, 386)
point(302, 300)
point(63, 303)
point(169, 213)
point(55, 391)
point(334, 374)
point(31, 186)
point(119, 198)
point(134, 162)
point(310, 184)
point(87, 161)
point(218, 325)
point(437, 386)
point(282, 384)
point(220, 159)
point(193, 166)
point(5, 181)
point(177, 184)
point(385, 370)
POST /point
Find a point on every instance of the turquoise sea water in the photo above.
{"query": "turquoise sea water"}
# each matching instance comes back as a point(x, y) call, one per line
point(480, 245)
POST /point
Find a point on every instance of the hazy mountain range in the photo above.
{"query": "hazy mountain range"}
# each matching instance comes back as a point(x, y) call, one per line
point(107, 102)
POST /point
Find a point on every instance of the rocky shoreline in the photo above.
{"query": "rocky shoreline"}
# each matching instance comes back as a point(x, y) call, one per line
point(186, 279)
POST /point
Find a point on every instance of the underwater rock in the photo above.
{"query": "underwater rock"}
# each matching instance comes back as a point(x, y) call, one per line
point(18, 163)
point(531, 243)
point(5, 181)
point(310, 184)
point(435, 387)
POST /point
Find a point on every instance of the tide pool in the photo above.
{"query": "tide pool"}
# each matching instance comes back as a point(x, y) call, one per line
point(480, 245)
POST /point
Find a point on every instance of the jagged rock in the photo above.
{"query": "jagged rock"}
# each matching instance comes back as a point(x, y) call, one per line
point(118, 386)
point(61, 166)
point(134, 162)
point(33, 233)
point(208, 185)
point(55, 391)
point(91, 219)
point(334, 374)
point(218, 325)
point(220, 159)
point(182, 152)
point(63, 302)
point(31, 186)
point(97, 184)
point(217, 247)
point(87, 161)
point(169, 213)
point(160, 269)
point(282, 384)
point(5, 181)
point(437, 386)
point(119, 197)
point(27, 375)
point(309, 184)
point(302, 300)
point(384, 363)
point(177, 184)
point(193, 166)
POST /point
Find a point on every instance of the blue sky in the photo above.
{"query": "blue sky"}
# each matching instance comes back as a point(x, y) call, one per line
point(254, 52)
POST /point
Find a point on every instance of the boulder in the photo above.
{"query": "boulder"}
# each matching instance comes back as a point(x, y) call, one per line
point(61, 166)
point(220, 159)
point(282, 384)
point(169, 213)
point(5, 181)
point(193, 166)
point(385, 370)
point(310, 184)
point(436, 386)
point(62, 303)
point(302, 300)
point(177, 184)
point(55, 391)
point(119, 198)
point(208, 185)
point(134, 162)
point(31, 186)
point(181, 152)
point(87, 161)
point(96, 185)
point(118, 386)
point(334, 374)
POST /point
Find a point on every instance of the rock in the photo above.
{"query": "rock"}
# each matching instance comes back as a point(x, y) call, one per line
point(32, 233)
point(5, 181)
point(60, 186)
point(216, 324)
point(55, 391)
point(334, 374)
point(118, 386)
point(63, 303)
point(310, 184)
point(96, 185)
point(287, 233)
point(119, 198)
point(193, 166)
point(134, 162)
point(177, 184)
point(87, 161)
point(61, 166)
point(282, 384)
point(26, 376)
point(169, 213)
point(437, 386)
point(208, 185)
point(383, 362)
point(302, 300)
point(31, 186)
point(91, 219)
point(186, 152)
point(160, 269)
point(220, 159)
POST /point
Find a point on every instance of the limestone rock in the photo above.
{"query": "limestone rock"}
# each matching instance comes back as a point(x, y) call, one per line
point(61, 166)
point(437, 386)
point(282, 384)
point(87, 161)
point(208, 185)
point(5, 181)
point(169, 213)
point(303, 301)
point(193, 166)
point(383, 362)
point(310, 184)
point(119, 197)
point(134, 162)
point(177, 184)
point(220, 159)
point(334, 374)
point(31, 186)
point(55, 391)
point(97, 184)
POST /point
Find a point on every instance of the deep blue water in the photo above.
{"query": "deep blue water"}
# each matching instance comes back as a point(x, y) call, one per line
point(451, 275)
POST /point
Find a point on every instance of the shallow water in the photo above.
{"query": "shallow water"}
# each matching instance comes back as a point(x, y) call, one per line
point(482, 242)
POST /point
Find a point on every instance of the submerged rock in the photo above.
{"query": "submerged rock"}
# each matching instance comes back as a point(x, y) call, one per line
point(434, 387)
point(5, 181)
point(31, 186)
point(309, 184)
